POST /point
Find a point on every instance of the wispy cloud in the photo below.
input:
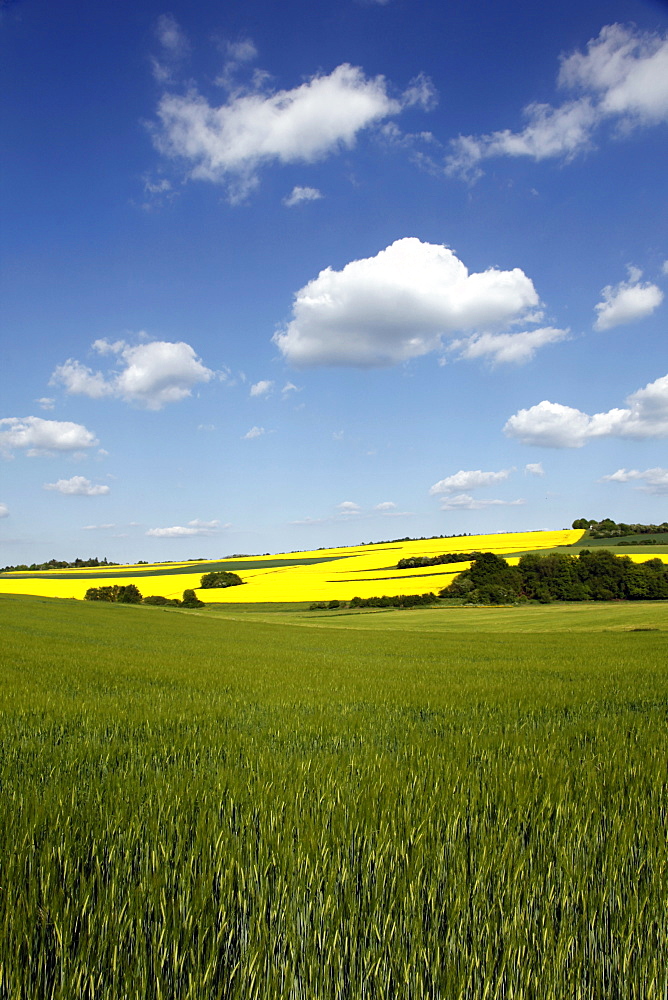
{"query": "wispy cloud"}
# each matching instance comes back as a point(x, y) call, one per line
point(464, 501)
point(653, 481)
point(195, 527)
point(299, 195)
point(621, 79)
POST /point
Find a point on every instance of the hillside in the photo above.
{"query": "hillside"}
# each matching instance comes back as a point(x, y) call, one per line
point(325, 574)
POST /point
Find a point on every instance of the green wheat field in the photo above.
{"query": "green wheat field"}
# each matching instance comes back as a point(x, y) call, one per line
point(462, 804)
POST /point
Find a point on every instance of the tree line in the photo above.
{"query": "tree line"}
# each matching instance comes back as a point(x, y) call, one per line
point(130, 594)
point(58, 564)
point(607, 528)
point(415, 562)
point(593, 575)
point(398, 601)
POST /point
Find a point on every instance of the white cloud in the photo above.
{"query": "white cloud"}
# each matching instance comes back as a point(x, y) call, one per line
point(43, 437)
point(627, 302)
point(261, 388)
point(152, 374)
point(46, 403)
point(469, 480)
point(237, 54)
point(464, 501)
point(231, 142)
point(420, 93)
point(508, 348)
point(348, 507)
point(398, 305)
point(4, 510)
point(97, 527)
point(288, 388)
point(254, 432)
point(171, 36)
point(300, 194)
point(195, 527)
point(664, 267)
point(174, 46)
point(534, 469)
point(621, 78)
point(553, 425)
point(77, 486)
point(385, 506)
point(655, 480)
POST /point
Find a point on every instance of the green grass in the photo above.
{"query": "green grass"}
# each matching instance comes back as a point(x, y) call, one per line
point(585, 616)
point(201, 807)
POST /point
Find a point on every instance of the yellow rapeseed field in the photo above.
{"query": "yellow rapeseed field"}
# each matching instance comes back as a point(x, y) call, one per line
point(342, 573)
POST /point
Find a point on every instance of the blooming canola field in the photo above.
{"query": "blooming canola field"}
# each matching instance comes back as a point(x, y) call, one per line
point(318, 575)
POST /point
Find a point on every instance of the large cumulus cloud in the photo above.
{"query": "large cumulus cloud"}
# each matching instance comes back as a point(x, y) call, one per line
point(401, 304)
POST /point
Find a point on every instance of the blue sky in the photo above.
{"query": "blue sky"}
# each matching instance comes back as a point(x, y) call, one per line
point(283, 276)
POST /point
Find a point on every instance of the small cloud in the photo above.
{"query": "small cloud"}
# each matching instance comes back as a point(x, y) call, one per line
point(469, 480)
point(4, 510)
point(348, 507)
point(77, 486)
point(206, 427)
point(97, 527)
point(463, 501)
point(261, 388)
point(627, 302)
point(553, 425)
point(655, 480)
point(385, 506)
point(420, 93)
point(288, 388)
point(254, 432)
point(157, 192)
point(175, 47)
point(237, 55)
point(195, 527)
point(153, 374)
point(664, 267)
point(534, 469)
point(43, 437)
point(508, 348)
point(298, 195)
point(46, 403)
point(338, 435)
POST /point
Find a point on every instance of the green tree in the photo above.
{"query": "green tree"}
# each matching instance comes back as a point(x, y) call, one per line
point(222, 578)
point(191, 600)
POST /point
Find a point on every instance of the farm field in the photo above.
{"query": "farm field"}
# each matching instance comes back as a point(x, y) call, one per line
point(210, 805)
point(325, 574)
point(321, 575)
